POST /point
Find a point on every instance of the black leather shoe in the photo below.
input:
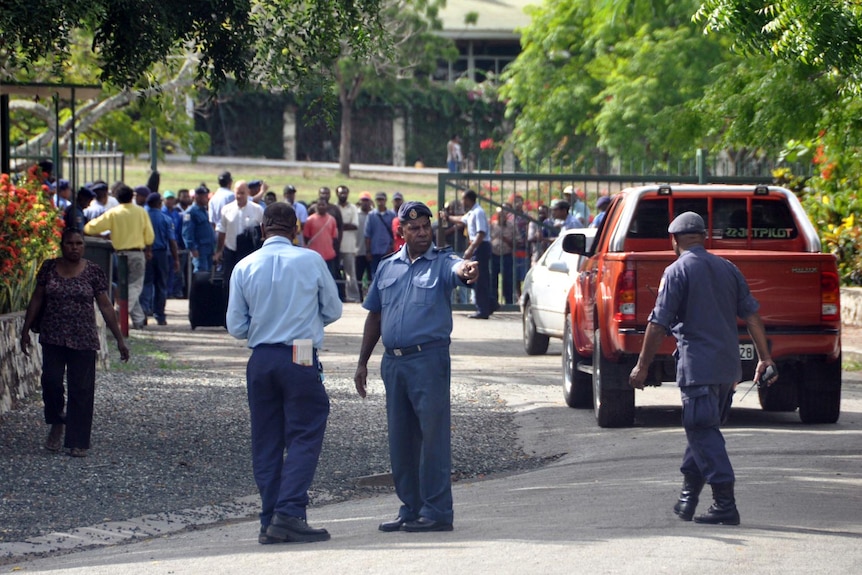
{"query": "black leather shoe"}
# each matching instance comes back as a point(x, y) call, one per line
point(265, 539)
point(294, 529)
point(394, 525)
point(423, 525)
point(477, 316)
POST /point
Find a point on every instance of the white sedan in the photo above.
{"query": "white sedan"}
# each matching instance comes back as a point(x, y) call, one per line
point(546, 287)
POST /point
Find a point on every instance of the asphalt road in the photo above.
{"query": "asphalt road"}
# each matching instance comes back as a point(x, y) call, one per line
point(603, 507)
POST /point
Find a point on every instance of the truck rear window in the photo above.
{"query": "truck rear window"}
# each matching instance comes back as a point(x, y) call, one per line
point(769, 219)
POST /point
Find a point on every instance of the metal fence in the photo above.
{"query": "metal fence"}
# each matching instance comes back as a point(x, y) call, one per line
point(498, 191)
point(86, 162)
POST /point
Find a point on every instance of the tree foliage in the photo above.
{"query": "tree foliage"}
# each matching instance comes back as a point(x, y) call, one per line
point(618, 75)
point(408, 57)
point(273, 40)
point(823, 34)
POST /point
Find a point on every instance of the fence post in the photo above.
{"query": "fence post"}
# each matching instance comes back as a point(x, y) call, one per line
point(701, 166)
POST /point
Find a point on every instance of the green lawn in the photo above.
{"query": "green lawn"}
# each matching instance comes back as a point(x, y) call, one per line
point(307, 181)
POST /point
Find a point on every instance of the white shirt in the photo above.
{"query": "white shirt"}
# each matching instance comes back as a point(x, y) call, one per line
point(350, 238)
point(234, 220)
point(220, 199)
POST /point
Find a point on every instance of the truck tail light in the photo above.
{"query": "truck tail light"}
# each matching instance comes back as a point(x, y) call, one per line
point(625, 297)
point(830, 297)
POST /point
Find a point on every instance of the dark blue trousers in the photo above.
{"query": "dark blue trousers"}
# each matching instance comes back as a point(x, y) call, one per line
point(704, 409)
point(156, 283)
point(482, 287)
point(289, 408)
point(418, 414)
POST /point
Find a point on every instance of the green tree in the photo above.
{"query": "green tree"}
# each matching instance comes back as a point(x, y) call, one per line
point(242, 39)
point(615, 75)
point(408, 57)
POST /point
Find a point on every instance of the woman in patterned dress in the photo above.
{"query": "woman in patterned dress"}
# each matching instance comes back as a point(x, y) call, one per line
point(64, 294)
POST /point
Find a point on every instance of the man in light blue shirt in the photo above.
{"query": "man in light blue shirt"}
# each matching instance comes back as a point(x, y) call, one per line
point(282, 313)
point(479, 251)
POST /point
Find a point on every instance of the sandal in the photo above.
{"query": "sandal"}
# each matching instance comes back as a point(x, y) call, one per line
point(78, 452)
point(55, 437)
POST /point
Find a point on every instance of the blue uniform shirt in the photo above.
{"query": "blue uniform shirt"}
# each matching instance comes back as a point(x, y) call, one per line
point(378, 227)
point(414, 299)
point(280, 293)
point(197, 230)
point(699, 299)
point(176, 216)
point(163, 228)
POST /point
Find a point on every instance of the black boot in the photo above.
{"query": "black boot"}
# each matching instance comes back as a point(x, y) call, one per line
point(688, 496)
point(723, 510)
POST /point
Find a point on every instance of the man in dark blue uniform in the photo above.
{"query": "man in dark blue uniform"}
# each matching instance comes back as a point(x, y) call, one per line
point(198, 233)
point(409, 305)
point(699, 299)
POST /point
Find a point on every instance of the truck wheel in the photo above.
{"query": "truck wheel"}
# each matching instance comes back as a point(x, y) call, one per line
point(780, 396)
point(820, 391)
point(577, 385)
point(535, 343)
point(613, 399)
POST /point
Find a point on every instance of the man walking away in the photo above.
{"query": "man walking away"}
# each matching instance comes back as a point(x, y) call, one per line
point(699, 298)
point(282, 314)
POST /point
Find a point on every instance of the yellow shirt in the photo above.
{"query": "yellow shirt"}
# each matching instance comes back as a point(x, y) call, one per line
point(129, 224)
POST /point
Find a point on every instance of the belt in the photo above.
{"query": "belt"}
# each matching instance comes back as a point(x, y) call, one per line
point(132, 250)
point(399, 351)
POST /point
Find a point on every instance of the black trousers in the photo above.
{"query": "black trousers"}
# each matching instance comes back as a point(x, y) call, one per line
point(79, 367)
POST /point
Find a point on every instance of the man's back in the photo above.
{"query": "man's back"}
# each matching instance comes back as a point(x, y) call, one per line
point(700, 298)
point(282, 304)
point(129, 225)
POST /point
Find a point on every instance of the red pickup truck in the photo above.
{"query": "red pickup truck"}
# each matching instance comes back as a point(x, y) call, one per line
point(766, 233)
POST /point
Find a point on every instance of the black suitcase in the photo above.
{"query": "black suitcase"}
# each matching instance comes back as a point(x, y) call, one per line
point(207, 306)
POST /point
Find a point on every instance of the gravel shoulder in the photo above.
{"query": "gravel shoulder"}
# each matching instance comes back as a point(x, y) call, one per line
point(171, 430)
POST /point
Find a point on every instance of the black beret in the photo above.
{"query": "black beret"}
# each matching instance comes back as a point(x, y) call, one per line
point(412, 211)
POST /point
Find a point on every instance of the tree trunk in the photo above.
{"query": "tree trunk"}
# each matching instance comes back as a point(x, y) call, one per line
point(346, 132)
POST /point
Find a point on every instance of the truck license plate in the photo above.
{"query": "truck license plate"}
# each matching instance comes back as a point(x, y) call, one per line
point(746, 352)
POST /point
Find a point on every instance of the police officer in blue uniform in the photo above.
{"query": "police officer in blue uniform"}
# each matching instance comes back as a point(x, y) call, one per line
point(198, 233)
point(700, 297)
point(409, 305)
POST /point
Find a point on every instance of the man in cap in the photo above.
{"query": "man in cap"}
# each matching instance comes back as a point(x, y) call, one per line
point(157, 275)
point(198, 234)
point(281, 298)
point(289, 194)
point(256, 190)
point(577, 205)
point(379, 239)
point(102, 202)
point(563, 219)
point(62, 194)
point(173, 211)
point(602, 205)
point(132, 235)
point(699, 299)
point(75, 218)
point(409, 306)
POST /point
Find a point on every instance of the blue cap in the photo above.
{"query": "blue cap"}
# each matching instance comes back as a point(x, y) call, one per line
point(142, 191)
point(413, 211)
point(154, 198)
point(62, 184)
point(687, 223)
point(255, 183)
point(86, 192)
point(603, 202)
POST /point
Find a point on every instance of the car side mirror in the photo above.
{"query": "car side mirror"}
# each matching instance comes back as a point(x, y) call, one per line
point(559, 266)
point(575, 244)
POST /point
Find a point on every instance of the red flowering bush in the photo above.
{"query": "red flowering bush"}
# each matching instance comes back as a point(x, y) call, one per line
point(30, 229)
